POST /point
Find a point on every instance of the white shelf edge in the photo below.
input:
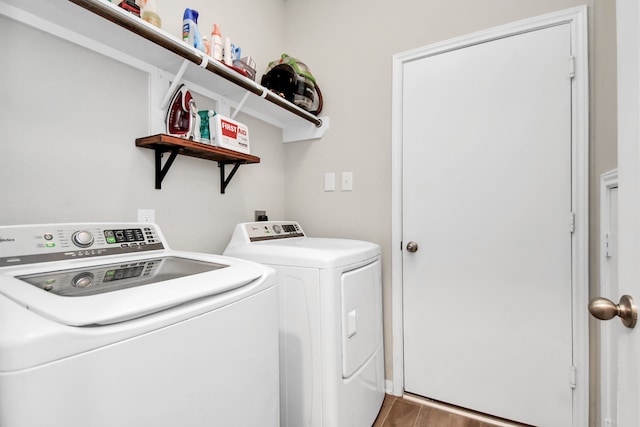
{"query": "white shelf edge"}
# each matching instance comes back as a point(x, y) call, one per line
point(294, 128)
point(305, 133)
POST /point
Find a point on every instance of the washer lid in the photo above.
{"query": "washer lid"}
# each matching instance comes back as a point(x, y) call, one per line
point(81, 294)
point(312, 252)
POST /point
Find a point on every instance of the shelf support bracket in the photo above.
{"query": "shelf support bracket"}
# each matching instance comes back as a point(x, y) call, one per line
point(174, 84)
point(240, 105)
point(225, 181)
point(161, 171)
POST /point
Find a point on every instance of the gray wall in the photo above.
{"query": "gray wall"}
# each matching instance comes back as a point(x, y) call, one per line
point(69, 118)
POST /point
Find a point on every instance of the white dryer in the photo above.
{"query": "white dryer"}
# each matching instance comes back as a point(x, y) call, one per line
point(103, 325)
point(331, 349)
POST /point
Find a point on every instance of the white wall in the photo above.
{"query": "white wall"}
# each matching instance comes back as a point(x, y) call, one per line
point(75, 159)
point(69, 120)
point(254, 25)
point(349, 47)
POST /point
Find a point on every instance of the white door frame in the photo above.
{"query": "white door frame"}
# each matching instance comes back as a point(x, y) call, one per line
point(577, 19)
point(608, 344)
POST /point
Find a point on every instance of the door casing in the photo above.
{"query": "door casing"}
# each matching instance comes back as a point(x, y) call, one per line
point(608, 289)
point(577, 19)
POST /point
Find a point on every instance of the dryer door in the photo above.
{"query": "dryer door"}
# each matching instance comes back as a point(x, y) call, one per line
point(361, 292)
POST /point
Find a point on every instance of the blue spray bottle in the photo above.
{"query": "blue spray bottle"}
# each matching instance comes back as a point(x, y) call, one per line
point(190, 33)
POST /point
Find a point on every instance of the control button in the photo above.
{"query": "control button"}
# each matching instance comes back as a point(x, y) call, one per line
point(50, 245)
point(48, 236)
point(82, 280)
point(82, 239)
point(109, 236)
point(277, 229)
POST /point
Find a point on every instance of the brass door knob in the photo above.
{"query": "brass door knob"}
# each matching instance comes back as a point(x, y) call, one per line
point(604, 309)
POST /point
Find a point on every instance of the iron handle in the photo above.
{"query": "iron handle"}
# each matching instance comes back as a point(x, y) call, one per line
point(412, 247)
point(604, 309)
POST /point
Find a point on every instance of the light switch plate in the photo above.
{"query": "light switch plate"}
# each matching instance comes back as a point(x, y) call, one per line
point(330, 181)
point(347, 181)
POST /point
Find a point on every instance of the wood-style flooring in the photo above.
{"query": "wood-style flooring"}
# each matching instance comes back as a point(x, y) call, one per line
point(415, 412)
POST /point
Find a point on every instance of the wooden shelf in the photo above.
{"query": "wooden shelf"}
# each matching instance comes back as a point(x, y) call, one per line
point(162, 143)
point(194, 149)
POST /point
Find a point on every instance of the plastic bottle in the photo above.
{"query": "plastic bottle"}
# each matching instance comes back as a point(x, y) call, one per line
point(190, 33)
point(150, 15)
point(216, 43)
point(226, 52)
point(207, 45)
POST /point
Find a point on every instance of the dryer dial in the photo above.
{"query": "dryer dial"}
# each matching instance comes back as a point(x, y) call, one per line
point(82, 239)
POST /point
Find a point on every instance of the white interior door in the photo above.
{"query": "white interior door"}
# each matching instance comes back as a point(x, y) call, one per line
point(628, 340)
point(487, 196)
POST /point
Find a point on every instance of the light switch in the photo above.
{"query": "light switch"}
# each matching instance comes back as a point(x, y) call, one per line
point(347, 181)
point(330, 181)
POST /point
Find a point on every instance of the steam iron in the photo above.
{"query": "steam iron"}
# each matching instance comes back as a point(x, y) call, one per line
point(182, 115)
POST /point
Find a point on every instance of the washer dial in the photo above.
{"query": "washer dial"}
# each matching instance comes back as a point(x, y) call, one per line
point(82, 280)
point(82, 239)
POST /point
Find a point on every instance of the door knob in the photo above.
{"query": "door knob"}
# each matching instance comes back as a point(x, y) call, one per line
point(604, 309)
point(412, 247)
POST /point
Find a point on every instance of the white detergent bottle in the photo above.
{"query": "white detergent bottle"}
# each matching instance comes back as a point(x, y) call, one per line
point(226, 52)
point(216, 43)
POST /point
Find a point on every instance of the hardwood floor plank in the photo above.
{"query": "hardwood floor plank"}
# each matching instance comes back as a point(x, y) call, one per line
point(402, 414)
point(387, 403)
point(411, 412)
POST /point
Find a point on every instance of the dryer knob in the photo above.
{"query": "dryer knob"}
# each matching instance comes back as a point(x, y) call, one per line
point(82, 239)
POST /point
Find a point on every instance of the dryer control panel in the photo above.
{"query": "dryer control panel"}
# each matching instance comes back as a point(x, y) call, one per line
point(271, 230)
point(28, 244)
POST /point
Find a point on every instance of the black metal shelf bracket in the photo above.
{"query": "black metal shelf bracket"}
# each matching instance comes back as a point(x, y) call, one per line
point(161, 171)
point(225, 181)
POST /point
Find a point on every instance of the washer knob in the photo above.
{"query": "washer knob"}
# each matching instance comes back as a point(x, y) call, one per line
point(82, 239)
point(82, 280)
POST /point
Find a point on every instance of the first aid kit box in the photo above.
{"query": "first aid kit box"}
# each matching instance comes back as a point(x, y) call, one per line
point(228, 133)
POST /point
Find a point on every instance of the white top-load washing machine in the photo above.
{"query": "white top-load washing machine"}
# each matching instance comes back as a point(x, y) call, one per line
point(331, 349)
point(102, 325)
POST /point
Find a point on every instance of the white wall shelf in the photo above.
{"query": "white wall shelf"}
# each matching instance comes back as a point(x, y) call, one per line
point(109, 29)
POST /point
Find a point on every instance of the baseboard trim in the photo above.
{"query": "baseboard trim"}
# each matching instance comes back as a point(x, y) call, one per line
point(459, 411)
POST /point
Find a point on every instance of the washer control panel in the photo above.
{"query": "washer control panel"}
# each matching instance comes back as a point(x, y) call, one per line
point(27, 244)
point(271, 230)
